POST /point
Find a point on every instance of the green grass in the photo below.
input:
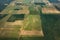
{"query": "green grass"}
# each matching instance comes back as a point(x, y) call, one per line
point(51, 25)
point(8, 38)
point(32, 22)
point(31, 38)
point(23, 38)
point(33, 10)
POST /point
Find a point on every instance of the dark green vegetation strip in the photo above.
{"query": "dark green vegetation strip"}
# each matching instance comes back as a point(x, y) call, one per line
point(33, 11)
point(8, 39)
point(31, 38)
point(51, 25)
point(16, 17)
point(23, 38)
point(2, 16)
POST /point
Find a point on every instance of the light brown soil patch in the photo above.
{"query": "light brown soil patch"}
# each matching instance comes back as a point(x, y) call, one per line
point(50, 10)
point(23, 12)
point(31, 33)
point(17, 22)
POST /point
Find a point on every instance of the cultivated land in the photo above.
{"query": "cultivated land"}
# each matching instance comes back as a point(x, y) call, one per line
point(30, 26)
point(30, 23)
point(50, 10)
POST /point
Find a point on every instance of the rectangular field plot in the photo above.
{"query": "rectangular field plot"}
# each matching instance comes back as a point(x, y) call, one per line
point(16, 17)
point(32, 26)
point(9, 32)
point(32, 22)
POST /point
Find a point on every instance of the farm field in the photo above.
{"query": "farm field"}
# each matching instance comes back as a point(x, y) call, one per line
point(29, 22)
point(29, 26)
point(20, 25)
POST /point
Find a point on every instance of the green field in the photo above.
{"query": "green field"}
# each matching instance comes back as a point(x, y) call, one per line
point(32, 22)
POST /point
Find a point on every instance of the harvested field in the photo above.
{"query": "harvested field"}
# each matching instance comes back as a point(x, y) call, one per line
point(50, 10)
point(31, 33)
